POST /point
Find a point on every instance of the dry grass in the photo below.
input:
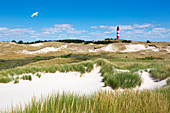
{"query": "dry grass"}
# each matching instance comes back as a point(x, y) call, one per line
point(55, 61)
point(7, 49)
point(100, 102)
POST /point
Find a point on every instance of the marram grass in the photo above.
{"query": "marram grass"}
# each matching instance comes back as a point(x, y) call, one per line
point(116, 80)
point(161, 72)
point(100, 102)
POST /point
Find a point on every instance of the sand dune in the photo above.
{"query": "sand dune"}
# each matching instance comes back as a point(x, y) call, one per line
point(38, 44)
point(149, 83)
point(128, 48)
point(48, 83)
point(43, 50)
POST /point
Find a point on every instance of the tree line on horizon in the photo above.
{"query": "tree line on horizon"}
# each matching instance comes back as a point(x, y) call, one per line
point(106, 41)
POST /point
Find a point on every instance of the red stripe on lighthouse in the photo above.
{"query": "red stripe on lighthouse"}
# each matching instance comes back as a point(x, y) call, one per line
point(117, 32)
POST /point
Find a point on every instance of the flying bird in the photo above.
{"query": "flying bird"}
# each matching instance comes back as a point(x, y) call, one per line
point(34, 14)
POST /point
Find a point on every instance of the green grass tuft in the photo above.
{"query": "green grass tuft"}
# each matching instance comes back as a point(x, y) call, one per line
point(161, 72)
point(38, 75)
point(168, 81)
point(26, 77)
point(16, 81)
point(124, 80)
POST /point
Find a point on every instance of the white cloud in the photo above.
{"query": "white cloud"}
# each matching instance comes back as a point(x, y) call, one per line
point(146, 34)
point(143, 26)
point(108, 32)
point(58, 28)
point(73, 37)
point(100, 35)
point(122, 27)
point(94, 27)
point(13, 32)
point(26, 30)
point(125, 27)
point(160, 30)
point(86, 36)
point(113, 28)
point(3, 28)
point(59, 31)
point(63, 25)
point(18, 25)
point(138, 31)
point(16, 34)
point(102, 26)
point(76, 32)
point(62, 35)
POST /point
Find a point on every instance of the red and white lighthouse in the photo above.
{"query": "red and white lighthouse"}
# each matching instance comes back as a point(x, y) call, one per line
point(117, 32)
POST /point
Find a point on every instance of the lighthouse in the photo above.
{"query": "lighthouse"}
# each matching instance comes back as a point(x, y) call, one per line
point(117, 32)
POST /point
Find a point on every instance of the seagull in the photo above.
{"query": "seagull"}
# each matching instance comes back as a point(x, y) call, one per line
point(34, 14)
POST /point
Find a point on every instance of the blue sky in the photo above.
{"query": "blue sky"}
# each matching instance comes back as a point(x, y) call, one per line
point(85, 19)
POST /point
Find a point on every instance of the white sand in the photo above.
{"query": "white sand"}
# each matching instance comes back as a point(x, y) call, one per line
point(48, 83)
point(38, 44)
point(138, 47)
point(94, 50)
point(148, 82)
point(43, 50)
point(58, 82)
point(109, 48)
point(153, 48)
point(168, 49)
point(12, 43)
point(120, 70)
point(134, 48)
point(129, 48)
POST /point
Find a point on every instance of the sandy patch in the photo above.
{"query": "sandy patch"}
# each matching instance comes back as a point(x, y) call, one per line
point(109, 48)
point(120, 70)
point(12, 43)
point(43, 50)
point(138, 47)
point(38, 44)
point(78, 49)
point(48, 83)
point(148, 82)
point(129, 48)
point(153, 48)
point(168, 49)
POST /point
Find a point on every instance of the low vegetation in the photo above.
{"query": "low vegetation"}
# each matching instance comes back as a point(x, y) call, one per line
point(161, 72)
point(125, 80)
point(101, 102)
point(7, 64)
point(116, 80)
point(168, 81)
point(16, 81)
point(26, 77)
point(38, 75)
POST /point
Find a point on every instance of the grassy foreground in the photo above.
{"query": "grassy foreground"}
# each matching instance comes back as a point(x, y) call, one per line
point(100, 102)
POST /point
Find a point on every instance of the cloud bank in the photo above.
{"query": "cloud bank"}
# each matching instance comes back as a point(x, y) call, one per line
point(62, 31)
